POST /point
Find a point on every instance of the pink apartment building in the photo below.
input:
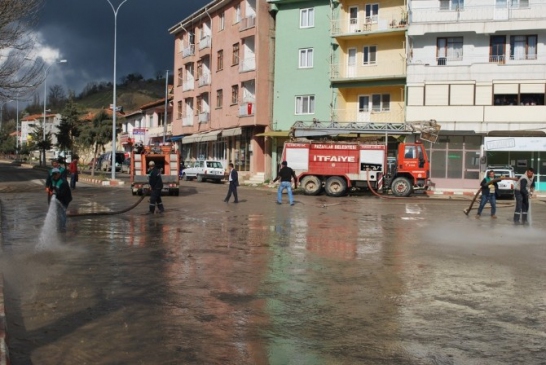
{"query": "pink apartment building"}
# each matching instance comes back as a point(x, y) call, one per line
point(222, 85)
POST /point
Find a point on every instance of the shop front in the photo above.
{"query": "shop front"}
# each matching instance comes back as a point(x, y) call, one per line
point(519, 152)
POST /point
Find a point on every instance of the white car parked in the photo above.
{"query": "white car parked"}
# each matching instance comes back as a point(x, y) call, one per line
point(205, 170)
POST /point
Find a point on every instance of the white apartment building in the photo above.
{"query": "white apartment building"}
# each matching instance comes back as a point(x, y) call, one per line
point(478, 67)
point(31, 122)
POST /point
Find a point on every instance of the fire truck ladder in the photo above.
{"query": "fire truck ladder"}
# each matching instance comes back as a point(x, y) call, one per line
point(428, 129)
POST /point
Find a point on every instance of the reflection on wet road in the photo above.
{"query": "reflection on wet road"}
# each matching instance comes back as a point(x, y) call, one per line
point(361, 281)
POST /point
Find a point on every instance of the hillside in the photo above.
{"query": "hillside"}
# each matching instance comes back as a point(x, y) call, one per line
point(130, 96)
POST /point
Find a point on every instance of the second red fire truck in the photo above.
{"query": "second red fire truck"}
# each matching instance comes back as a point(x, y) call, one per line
point(337, 166)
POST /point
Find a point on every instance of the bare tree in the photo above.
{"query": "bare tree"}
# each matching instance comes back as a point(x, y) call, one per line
point(18, 77)
point(56, 97)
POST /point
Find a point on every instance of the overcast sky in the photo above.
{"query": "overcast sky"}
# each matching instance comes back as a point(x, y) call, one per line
point(82, 32)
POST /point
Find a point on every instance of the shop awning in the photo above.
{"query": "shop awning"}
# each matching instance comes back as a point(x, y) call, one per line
point(175, 138)
point(273, 134)
point(202, 137)
point(232, 132)
point(210, 136)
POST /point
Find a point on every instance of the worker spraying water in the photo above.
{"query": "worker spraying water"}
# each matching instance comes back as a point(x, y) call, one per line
point(61, 196)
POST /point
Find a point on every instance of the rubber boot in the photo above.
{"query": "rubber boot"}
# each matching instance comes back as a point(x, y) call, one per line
point(516, 218)
point(524, 220)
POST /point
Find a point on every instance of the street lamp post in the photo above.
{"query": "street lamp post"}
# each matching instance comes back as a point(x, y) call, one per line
point(166, 105)
point(45, 102)
point(114, 111)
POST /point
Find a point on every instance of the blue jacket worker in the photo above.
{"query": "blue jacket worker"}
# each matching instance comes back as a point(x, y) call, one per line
point(489, 194)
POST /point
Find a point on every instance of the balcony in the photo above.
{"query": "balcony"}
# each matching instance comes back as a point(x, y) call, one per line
point(487, 19)
point(188, 85)
point(353, 115)
point(247, 23)
point(204, 79)
point(188, 51)
point(246, 109)
point(379, 71)
point(187, 121)
point(205, 42)
point(346, 27)
point(479, 69)
point(204, 117)
point(247, 64)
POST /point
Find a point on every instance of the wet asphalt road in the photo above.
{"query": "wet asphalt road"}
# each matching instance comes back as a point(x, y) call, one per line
point(352, 280)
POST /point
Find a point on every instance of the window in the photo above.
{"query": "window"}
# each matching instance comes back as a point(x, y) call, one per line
point(305, 104)
point(523, 47)
point(497, 49)
point(179, 109)
point(220, 60)
point(372, 10)
point(370, 55)
point(199, 69)
point(306, 58)
point(449, 49)
point(180, 77)
point(237, 14)
point(519, 4)
point(221, 21)
point(381, 103)
point(307, 18)
point(199, 106)
point(235, 58)
point(219, 98)
point(452, 5)
point(234, 94)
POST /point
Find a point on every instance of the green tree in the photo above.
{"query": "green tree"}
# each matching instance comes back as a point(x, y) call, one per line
point(96, 134)
point(68, 128)
point(42, 144)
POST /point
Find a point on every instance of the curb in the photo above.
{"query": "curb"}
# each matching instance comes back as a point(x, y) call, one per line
point(101, 182)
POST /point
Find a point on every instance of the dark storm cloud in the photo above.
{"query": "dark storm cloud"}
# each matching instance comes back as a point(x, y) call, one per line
point(82, 31)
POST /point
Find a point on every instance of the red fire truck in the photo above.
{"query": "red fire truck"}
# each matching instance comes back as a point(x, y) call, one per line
point(337, 166)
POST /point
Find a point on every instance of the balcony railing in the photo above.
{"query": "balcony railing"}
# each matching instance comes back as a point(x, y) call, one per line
point(370, 115)
point(483, 13)
point(369, 24)
point(204, 79)
point(187, 120)
point(188, 51)
point(247, 23)
point(247, 64)
point(205, 42)
point(204, 117)
point(378, 70)
point(188, 85)
point(246, 109)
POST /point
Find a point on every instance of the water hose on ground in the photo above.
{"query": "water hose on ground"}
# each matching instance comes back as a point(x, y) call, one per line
point(111, 212)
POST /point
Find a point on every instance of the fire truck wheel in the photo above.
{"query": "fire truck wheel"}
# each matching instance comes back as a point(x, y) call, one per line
point(336, 186)
point(311, 185)
point(401, 187)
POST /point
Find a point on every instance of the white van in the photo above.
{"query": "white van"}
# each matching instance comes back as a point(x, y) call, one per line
point(506, 187)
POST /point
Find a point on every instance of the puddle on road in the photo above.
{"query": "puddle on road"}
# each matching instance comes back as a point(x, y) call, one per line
point(353, 283)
